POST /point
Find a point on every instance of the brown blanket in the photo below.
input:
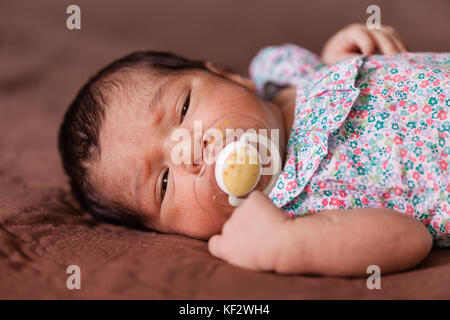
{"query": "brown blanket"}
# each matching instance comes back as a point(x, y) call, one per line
point(42, 65)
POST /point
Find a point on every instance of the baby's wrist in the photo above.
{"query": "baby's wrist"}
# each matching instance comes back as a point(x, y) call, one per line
point(272, 250)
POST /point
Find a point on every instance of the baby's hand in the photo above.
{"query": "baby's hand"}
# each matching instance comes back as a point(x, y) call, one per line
point(357, 38)
point(252, 237)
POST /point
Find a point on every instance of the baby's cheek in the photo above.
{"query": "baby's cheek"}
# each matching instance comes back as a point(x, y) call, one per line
point(196, 223)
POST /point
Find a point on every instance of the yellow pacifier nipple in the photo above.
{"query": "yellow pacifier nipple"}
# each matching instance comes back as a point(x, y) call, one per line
point(238, 169)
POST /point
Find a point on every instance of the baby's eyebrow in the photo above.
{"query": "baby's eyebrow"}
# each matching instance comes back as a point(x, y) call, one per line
point(155, 101)
point(154, 104)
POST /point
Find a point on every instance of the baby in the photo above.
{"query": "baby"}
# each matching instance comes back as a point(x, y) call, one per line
point(364, 141)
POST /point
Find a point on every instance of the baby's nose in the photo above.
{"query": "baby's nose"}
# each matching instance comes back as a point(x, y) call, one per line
point(193, 167)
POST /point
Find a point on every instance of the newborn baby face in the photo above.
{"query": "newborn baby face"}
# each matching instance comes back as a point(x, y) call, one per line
point(136, 168)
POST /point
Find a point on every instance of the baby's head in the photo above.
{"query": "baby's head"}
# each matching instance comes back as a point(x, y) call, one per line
point(115, 140)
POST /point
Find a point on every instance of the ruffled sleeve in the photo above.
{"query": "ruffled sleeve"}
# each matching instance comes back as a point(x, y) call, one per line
point(286, 64)
point(321, 108)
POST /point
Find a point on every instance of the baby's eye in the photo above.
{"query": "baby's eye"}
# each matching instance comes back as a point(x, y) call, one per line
point(165, 180)
point(186, 106)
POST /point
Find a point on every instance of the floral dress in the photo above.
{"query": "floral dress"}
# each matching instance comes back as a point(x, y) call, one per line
point(368, 132)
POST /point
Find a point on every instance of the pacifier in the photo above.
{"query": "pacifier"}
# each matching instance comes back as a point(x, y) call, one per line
point(236, 161)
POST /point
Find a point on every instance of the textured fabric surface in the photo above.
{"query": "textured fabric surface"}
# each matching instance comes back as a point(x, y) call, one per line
point(42, 65)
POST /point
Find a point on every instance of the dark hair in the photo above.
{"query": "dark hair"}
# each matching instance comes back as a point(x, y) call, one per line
point(79, 132)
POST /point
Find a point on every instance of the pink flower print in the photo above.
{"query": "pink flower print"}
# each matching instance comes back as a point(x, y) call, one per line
point(402, 103)
point(322, 185)
point(325, 202)
point(436, 83)
point(413, 108)
point(292, 185)
point(348, 104)
point(443, 165)
point(398, 191)
point(442, 115)
point(363, 114)
point(398, 140)
point(366, 91)
point(424, 84)
point(416, 175)
point(409, 210)
point(342, 194)
point(334, 201)
point(403, 153)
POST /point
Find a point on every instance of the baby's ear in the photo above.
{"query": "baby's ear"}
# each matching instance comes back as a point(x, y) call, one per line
point(246, 82)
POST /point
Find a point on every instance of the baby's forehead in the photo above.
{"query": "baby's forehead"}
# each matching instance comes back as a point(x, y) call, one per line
point(131, 87)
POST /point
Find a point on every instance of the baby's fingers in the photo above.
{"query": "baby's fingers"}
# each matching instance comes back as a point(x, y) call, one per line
point(385, 42)
point(398, 40)
point(360, 38)
point(214, 245)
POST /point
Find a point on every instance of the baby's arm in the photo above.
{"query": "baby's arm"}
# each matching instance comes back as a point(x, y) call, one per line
point(346, 242)
point(260, 236)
